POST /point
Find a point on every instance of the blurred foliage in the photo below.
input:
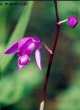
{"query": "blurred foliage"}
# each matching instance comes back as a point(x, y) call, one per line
point(70, 99)
point(19, 29)
point(19, 89)
point(13, 87)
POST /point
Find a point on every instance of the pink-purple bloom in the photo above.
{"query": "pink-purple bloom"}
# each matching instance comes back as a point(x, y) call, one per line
point(24, 48)
point(72, 21)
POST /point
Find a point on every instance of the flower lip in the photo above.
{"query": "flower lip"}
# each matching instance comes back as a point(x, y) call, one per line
point(23, 60)
point(21, 66)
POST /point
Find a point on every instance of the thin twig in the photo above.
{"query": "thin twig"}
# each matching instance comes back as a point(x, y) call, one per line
point(51, 58)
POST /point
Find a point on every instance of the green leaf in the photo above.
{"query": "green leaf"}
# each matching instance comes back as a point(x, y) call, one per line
point(14, 87)
point(18, 32)
point(3, 23)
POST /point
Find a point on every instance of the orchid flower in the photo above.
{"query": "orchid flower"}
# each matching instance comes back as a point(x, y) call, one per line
point(72, 21)
point(24, 48)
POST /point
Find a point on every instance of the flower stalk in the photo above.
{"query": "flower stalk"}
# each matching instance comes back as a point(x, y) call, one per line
point(51, 58)
point(62, 21)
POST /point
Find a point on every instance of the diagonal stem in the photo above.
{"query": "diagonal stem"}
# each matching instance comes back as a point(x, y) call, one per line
point(51, 58)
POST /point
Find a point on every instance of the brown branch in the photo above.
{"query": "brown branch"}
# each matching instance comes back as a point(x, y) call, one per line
point(51, 58)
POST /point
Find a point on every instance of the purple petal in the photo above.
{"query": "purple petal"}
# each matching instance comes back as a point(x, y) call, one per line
point(21, 66)
point(31, 46)
point(36, 39)
point(38, 58)
point(24, 42)
point(37, 42)
point(23, 46)
point(24, 60)
point(12, 49)
point(28, 44)
point(72, 21)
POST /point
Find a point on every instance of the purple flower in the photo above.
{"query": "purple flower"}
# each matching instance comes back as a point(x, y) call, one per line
point(72, 21)
point(24, 49)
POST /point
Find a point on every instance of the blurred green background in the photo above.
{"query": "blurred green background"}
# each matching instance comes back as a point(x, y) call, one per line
point(20, 89)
